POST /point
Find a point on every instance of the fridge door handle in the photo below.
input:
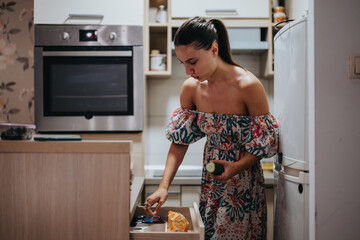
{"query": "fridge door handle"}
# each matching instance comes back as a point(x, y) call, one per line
point(301, 179)
point(279, 158)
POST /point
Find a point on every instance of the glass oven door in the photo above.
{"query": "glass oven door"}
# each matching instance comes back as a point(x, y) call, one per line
point(88, 81)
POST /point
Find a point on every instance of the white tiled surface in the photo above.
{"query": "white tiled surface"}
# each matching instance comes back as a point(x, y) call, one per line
point(164, 97)
point(157, 145)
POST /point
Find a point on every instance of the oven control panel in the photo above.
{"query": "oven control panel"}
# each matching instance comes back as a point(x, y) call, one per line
point(88, 35)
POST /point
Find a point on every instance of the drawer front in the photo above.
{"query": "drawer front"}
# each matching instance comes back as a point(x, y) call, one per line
point(220, 9)
point(159, 231)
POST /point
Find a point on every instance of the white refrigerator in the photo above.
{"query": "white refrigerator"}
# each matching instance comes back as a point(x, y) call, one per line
point(291, 168)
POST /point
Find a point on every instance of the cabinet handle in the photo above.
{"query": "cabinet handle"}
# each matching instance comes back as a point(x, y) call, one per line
point(221, 12)
point(169, 192)
point(88, 53)
point(72, 15)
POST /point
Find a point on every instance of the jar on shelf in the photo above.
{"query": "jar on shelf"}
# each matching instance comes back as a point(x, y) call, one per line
point(279, 14)
point(161, 15)
point(157, 61)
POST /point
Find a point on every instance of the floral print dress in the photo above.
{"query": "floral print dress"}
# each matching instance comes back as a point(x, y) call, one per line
point(235, 209)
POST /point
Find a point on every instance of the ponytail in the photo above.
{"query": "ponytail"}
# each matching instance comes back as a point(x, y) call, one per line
point(223, 41)
point(202, 34)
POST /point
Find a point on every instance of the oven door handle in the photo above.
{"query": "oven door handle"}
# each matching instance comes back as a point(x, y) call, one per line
point(88, 53)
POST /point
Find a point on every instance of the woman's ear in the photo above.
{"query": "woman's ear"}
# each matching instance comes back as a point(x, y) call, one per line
point(214, 49)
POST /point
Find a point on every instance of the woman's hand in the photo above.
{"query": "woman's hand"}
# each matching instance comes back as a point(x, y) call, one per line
point(159, 197)
point(230, 170)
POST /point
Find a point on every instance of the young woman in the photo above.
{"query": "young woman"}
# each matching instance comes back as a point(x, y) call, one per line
point(226, 103)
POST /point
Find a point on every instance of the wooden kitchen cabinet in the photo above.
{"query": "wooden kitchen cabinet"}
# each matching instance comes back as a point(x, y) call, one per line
point(65, 190)
point(157, 36)
point(105, 12)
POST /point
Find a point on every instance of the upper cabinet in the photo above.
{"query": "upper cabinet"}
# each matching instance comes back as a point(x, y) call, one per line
point(157, 38)
point(106, 12)
point(220, 9)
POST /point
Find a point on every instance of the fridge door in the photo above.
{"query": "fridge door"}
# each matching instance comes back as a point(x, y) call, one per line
point(290, 93)
point(291, 204)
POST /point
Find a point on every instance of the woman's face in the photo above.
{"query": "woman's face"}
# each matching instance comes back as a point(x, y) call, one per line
point(198, 63)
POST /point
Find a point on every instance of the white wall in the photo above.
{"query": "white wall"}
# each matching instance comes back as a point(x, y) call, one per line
point(164, 97)
point(337, 120)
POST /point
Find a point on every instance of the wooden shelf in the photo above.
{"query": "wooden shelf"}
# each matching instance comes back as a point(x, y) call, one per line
point(164, 25)
point(157, 36)
point(158, 73)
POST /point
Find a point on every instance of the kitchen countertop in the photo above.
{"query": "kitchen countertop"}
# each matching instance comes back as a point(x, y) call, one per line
point(151, 180)
point(84, 146)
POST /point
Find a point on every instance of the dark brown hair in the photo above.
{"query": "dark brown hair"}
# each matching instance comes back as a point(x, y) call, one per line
point(202, 33)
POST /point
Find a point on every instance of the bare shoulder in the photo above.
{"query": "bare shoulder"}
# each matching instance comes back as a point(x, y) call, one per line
point(254, 94)
point(249, 83)
point(187, 93)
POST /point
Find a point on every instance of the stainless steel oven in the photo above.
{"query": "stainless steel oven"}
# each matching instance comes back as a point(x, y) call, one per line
point(88, 78)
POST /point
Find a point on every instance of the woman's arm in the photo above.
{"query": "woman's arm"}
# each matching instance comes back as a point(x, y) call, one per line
point(174, 158)
point(233, 168)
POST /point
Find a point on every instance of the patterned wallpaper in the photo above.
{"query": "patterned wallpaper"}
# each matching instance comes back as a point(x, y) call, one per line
point(16, 61)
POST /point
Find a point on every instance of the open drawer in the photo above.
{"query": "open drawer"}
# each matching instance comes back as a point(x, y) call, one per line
point(158, 231)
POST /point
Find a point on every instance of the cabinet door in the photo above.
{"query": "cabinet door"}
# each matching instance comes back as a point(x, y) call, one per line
point(89, 12)
point(221, 9)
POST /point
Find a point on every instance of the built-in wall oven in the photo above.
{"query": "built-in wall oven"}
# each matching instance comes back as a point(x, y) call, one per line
point(88, 78)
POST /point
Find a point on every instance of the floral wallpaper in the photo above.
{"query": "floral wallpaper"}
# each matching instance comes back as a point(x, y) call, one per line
point(17, 61)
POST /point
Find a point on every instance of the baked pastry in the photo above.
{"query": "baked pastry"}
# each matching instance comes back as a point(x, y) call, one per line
point(177, 222)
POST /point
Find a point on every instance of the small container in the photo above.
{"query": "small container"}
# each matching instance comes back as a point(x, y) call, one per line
point(157, 61)
point(215, 168)
point(12, 131)
point(279, 14)
point(161, 14)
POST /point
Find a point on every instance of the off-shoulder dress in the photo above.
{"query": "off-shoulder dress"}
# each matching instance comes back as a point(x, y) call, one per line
point(235, 209)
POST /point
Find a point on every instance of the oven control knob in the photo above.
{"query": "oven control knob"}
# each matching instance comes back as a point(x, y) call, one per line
point(65, 36)
point(112, 36)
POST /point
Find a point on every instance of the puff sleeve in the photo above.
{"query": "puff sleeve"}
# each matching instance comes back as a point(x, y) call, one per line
point(183, 128)
point(263, 136)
